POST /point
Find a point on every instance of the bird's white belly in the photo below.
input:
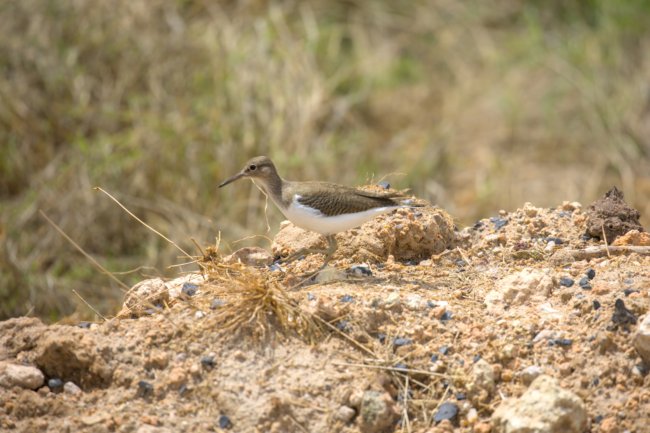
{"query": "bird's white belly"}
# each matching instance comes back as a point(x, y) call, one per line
point(312, 219)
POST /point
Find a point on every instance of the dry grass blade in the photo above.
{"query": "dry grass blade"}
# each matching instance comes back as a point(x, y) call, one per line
point(258, 305)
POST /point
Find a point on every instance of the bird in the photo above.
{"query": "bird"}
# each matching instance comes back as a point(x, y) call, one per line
point(321, 207)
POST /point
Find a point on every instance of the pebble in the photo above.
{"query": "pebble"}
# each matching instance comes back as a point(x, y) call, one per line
point(596, 304)
point(530, 373)
point(399, 341)
point(23, 376)
point(361, 270)
point(621, 315)
point(447, 410)
point(224, 422)
point(217, 303)
point(591, 274)
point(566, 282)
point(642, 339)
point(84, 325)
point(584, 283)
point(564, 342)
point(444, 350)
point(189, 289)
point(378, 412)
point(545, 405)
point(310, 296)
point(414, 302)
point(499, 223)
point(346, 298)
point(55, 384)
point(446, 316)
point(482, 377)
point(145, 389)
point(71, 388)
point(384, 184)
point(199, 315)
point(345, 414)
point(208, 362)
point(472, 416)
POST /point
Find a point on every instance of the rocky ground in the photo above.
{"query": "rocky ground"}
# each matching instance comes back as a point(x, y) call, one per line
point(528, 321)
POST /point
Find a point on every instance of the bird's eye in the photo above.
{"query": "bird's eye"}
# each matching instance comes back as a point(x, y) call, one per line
point(252, 167)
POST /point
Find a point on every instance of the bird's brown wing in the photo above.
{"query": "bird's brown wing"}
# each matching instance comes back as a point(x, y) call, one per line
point(332, 199)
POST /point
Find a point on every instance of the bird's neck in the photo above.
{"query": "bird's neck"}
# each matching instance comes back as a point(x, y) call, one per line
point(272, 187)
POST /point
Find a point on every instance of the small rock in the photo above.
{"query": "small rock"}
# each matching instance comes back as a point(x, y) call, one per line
point(530, 373)
point(329, 274)
point(345, 414)
point(447, 411)
point(84, 325)
point(346, 298)
point(55, 384)
point(208, 362)
point(482, 378)
point(609, 425)
point(384, 184)
point(566, 282)
point(591, 274)
point(621, 315)
point(472, 416)
point(145, 389)
point(23, 376)
point(199, 315)
point(71, 388)
point(446, 316)
point(399, 341)
point(189, 289)
point(584, 283)
point(546, 406)
point(596, 304)
point(564, 342)
point(250, 256)
point(518, 288)
point(392, 300)
point(499, 223)
point(444, 350)
point(217, 303)
point(414, 302)
point(361, 270)
point(378, 412)
point(224, 422)
point(642, 339)
point(635, 238)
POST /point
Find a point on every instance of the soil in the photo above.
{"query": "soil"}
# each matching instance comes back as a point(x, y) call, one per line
point(397, 334)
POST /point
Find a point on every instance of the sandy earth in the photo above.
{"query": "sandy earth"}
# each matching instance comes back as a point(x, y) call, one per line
point(512, 325)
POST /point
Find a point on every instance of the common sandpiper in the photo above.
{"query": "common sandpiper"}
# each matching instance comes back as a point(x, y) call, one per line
point(322, 207)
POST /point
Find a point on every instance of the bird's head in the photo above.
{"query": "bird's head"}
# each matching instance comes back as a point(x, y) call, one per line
point(259, 168)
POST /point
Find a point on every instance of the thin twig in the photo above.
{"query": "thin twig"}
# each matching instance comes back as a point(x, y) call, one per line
point(89, 306)
point(605, 239)
point(143, 223)
point(81, 250)
point(395, 369)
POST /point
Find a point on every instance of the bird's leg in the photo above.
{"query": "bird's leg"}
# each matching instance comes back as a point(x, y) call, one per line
point(331, 247)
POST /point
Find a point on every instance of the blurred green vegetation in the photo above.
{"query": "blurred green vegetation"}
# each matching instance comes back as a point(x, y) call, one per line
point(476, 106)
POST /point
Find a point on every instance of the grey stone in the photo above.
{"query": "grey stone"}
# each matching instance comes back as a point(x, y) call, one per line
point(544, 408)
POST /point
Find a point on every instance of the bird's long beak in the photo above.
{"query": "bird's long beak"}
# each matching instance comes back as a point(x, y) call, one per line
point(231, 179)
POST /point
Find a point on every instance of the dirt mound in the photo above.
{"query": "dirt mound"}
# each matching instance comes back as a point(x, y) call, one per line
point(611, 217)
point(428, 341)
point(406, 234)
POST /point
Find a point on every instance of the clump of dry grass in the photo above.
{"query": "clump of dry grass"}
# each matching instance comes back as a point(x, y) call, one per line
point(256, 303)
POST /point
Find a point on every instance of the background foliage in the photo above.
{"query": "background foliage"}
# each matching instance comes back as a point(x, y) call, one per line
point(476, 106)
